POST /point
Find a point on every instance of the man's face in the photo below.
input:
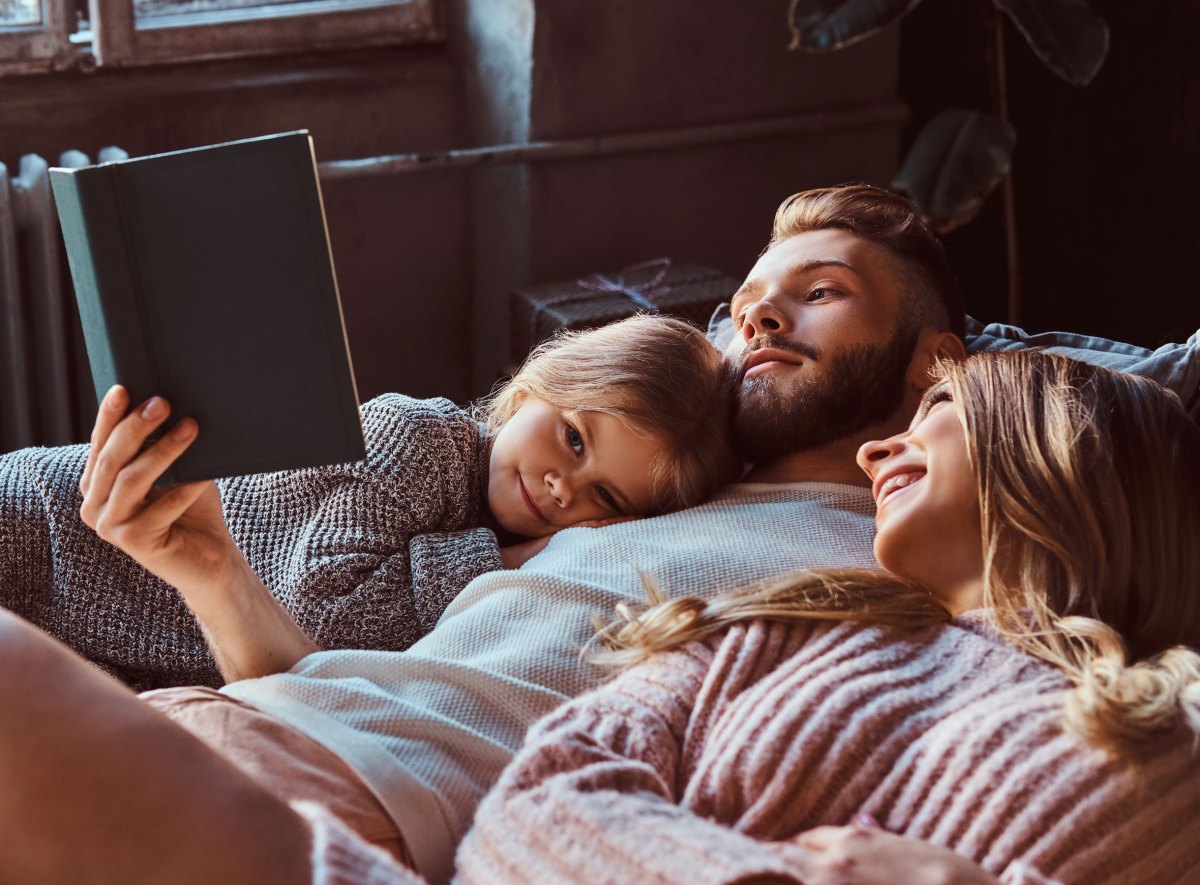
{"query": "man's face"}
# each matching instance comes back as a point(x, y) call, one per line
point(820, 343)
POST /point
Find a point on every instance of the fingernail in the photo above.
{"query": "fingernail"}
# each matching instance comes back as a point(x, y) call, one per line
point(866, 820)
point(184, 430)
point(154, 408)
point(110, 398)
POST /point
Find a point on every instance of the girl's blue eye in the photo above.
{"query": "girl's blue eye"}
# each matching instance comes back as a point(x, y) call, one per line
point(608, 499)
point(574, 439)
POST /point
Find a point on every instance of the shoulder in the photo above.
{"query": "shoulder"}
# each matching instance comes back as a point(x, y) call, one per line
point(396, 425)
point(398, 406)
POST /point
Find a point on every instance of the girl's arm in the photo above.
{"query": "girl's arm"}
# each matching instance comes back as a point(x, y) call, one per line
point(179, 535)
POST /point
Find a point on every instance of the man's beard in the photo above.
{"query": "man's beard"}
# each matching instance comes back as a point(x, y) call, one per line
point(861, 386)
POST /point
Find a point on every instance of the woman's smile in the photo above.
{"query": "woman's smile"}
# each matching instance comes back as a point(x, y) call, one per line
point(896, 483)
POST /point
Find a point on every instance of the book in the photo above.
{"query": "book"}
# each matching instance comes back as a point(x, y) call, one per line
point(205, 276)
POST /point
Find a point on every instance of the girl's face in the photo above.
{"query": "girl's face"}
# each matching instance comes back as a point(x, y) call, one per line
point(550, 468)
point(927, 517)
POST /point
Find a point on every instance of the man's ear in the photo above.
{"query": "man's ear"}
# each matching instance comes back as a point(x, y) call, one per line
point(932, 346)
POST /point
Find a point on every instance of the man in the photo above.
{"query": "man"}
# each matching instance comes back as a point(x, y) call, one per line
point(836, 329)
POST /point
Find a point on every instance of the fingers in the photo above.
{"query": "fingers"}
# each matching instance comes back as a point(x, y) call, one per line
point(821, 838)
point(123, 474)
point(601, 523)
point(121, 444)
point(838, 856)
point(161, 513)
point(112, 408)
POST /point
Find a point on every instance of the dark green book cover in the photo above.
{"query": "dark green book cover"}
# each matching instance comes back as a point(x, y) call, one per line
point(205, 276)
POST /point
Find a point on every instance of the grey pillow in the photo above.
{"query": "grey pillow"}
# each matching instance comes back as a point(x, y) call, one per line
point(1174, 366)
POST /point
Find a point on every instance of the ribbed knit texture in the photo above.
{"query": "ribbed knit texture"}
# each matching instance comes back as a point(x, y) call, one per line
point(430, 729)
point(700, 765)
point(332, 544)
point(339, 857)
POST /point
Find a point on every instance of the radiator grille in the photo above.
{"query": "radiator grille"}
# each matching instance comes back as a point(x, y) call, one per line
point(46, 395)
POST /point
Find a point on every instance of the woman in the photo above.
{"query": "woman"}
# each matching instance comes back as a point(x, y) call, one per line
point(1021, 689)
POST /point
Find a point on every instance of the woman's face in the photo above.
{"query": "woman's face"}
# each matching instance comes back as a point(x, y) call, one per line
point(927, 504)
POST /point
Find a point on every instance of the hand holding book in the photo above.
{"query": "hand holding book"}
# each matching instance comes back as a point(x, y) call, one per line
point(206, 276)
point(179, 535)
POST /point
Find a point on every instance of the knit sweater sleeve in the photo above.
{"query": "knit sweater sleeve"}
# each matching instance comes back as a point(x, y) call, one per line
point(445, 562)
point(333, 543)
point(593, 795)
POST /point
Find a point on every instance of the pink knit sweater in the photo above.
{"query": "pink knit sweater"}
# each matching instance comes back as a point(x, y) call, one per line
point(700, 765)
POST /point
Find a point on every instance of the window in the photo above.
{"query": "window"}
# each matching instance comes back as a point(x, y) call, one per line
point(42, 35)
point(34, 35)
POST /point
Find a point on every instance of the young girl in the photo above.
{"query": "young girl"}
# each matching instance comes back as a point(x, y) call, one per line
point(623, 421)
point(1020, 691)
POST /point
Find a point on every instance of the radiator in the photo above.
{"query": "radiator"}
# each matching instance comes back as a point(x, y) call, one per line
point(46, 394)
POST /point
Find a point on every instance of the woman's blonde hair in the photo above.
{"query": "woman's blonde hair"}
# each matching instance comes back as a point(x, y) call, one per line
point(1089, 490)
point(659, 376)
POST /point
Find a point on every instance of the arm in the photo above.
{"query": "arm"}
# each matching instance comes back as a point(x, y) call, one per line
point(443, 563)
point(594, 794)
point(347, 548)
point(178, 534)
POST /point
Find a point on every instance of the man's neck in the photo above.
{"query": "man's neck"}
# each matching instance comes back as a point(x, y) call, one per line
point(833, 463)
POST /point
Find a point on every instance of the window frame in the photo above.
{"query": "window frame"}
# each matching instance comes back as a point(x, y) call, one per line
point(116, 41)
point(315, 25)
point(39, 48)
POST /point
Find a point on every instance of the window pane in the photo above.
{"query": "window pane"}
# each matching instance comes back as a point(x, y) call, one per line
point(154, 8)
point(20, 13)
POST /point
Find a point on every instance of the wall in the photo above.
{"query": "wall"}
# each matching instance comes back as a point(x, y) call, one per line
point(1104, 176)
point(625, 66)
point(426, 259)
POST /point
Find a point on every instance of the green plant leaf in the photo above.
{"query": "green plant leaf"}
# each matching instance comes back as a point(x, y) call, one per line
point(956, 161)
point(1068, 35)
point(826, 25)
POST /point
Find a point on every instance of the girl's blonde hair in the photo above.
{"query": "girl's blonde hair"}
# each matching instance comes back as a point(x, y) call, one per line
point(1089, 490)
point(659, 376)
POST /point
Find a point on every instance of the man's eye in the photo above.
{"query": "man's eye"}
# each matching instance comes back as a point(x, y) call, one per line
point(574, 439)
point(819, 294)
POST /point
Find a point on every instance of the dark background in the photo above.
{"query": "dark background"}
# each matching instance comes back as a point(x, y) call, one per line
point(1106, 176)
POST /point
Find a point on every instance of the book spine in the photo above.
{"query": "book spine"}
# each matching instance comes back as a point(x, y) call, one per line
point(105, 281)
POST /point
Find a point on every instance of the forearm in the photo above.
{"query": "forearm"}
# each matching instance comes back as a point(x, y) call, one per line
point(248, 632)
point(595, 794)
point(563, 833)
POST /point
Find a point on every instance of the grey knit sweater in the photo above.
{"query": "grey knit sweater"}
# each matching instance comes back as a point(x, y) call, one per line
point(336, 545)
